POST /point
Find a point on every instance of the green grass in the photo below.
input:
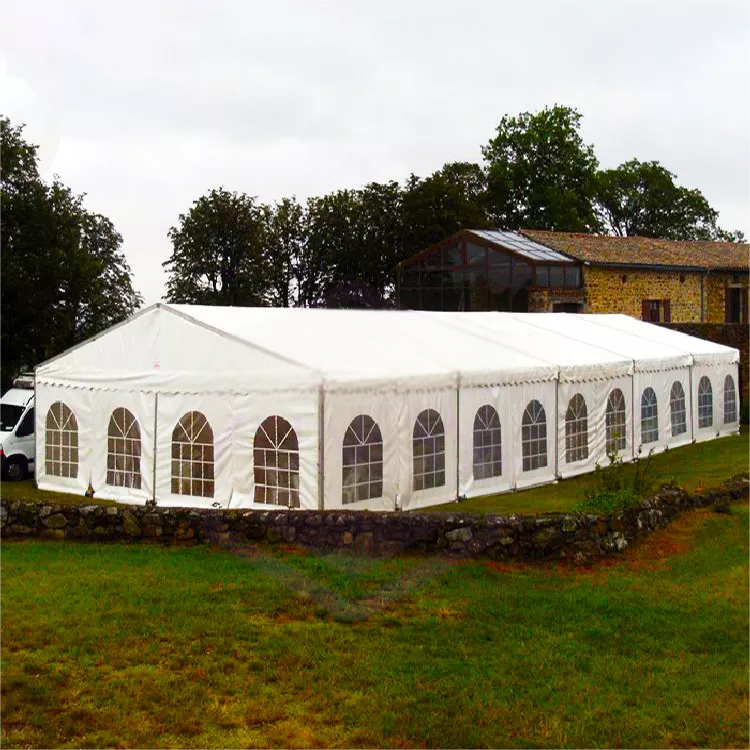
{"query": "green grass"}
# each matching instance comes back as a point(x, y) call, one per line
point(711, 463)
point(150, 646)
point(27, 491)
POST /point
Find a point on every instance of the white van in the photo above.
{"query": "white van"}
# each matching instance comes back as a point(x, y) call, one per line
point(17, 448)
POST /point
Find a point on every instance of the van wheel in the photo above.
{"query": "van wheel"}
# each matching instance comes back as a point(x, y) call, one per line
point(17, 469)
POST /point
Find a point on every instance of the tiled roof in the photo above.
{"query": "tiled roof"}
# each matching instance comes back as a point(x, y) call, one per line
point(604, 250)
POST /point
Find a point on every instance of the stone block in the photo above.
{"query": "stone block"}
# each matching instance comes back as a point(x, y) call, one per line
point(255, 531)
point(52, 534)
point(273, 535)
point(463, 534)
point(288, 533)
point(548, 536)
point(55, 521)
point(364, 543)
point(569, 524)
point(131, 526)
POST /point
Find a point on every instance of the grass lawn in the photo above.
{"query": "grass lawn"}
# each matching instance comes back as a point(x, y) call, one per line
point(26, 490)
point(711, 464)
point(149, 646)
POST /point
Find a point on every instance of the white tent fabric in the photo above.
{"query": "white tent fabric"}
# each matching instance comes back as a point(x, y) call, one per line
point(265, 407)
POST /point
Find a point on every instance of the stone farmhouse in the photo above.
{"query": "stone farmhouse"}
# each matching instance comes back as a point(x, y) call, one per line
point(529, 270)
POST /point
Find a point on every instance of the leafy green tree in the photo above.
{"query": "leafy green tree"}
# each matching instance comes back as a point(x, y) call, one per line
point(63, 273)
point(642, 199)
point(453, 198)
point(284, 251)
point(95, 289)
point(218, 253)
point(19, 160)
point(351, 245)
point(540, 174)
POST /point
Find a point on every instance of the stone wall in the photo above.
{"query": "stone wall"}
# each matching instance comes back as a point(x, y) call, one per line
point(542, 300)
point(737, 336)
point(455, 534)
point(716, 288)
point(618, 290)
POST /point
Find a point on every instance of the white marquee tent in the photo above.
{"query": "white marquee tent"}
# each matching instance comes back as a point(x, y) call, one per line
point(268, 407)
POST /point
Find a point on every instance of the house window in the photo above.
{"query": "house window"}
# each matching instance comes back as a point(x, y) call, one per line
point(567, 307)
point(736, 305)
point(705, 403)
point(677, 410)
point(534, 437)
point(428, 445)
point(656, 311)
point(362, 461)
point(649, 417)
point(576, 430)
point(123, 450)
point(615, 422)
point(193, 456)
point(276, 463)
point(61, 442)
point(488, 455)
point(730, 401)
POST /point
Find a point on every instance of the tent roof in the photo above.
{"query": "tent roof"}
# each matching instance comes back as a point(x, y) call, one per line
point(193, 348)
point(577, 359)
point(349, 346)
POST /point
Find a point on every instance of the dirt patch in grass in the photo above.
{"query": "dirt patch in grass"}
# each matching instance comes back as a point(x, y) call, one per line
point(678, 538)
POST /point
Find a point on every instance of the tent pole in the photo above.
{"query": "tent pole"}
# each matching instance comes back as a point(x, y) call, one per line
point(321, 447)
point(156, 422)
point(37, 452)
point(692, 419)
point(557, 426)
point(458, 441)
point(632, 413)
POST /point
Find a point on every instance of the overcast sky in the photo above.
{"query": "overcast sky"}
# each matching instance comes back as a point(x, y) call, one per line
point(145, 106)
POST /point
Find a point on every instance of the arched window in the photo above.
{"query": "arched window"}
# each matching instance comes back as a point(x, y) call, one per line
point(615, 422)
point(649, 417)
point(488, 455)
point(362, 461)
point(123, 450)
point(576, 430)
point(705, 403)
point(193, 456)
point(730, 401)
point(428, 445)
point(677, 411)
point(534, 437)
point(61, 442)
point(276, 461)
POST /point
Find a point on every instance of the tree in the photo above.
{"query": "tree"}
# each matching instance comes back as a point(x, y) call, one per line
point(19, 160)
point(284, 252)
point(218, 256)
point(64, 275)
point(94, 289)
point(540, 174)
point(351, 245)
point(642, 199)
point(453, 198)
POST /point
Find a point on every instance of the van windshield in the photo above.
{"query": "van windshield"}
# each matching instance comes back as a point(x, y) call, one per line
point(9, 416)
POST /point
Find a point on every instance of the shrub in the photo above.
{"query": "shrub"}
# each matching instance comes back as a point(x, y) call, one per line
point(617, 487)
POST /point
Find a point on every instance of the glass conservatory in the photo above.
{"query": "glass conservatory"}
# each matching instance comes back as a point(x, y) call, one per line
point(478, 270)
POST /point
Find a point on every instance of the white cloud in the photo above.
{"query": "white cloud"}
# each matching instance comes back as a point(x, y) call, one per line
point(147, 105)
